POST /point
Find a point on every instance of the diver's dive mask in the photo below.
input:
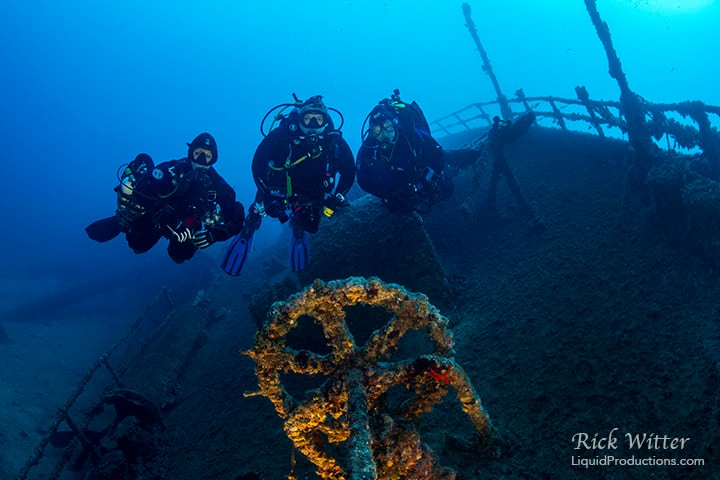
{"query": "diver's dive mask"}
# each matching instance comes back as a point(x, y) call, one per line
point(202, 158)
point(313, 122)
point(384, 132)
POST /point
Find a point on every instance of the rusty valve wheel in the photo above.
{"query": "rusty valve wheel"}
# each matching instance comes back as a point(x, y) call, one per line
point(357, 377)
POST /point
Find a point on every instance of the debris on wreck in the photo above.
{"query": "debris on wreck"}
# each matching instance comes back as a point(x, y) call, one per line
point(501, 133)
point(349, 408)
point(126, 445)
point(672, 149)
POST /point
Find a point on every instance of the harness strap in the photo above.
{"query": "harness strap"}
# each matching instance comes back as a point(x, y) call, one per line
point(316, 152)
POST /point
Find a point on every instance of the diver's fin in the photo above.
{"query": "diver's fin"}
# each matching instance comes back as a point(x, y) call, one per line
point(237, 253)
point(299, 251)
point(239, 247)
point(104, 230)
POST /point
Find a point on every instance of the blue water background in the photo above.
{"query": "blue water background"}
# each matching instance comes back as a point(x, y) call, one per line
point(86, 85)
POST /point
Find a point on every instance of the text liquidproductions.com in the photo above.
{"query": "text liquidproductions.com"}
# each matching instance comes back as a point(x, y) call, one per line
point(609, 460)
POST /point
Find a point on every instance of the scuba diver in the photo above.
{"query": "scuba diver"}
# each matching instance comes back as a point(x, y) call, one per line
point(401, 163)
point(185, 201)
point(129, 209)
point(303, 169)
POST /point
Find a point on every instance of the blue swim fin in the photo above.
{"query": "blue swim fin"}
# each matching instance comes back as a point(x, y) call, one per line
point(299, 250)
point(239, 247)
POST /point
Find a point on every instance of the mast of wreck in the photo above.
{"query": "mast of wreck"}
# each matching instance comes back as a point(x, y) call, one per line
point(487, 67)
point(638, 132)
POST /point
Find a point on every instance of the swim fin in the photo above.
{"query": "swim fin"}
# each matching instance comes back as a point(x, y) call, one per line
point(239, 247)
point(299, 250)
point(104, 230)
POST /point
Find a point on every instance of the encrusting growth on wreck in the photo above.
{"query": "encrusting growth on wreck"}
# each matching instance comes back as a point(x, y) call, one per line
point(349, 405)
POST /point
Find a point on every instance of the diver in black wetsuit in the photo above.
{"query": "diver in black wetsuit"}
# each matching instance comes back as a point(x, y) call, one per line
point(302, 169)
point(401, 163)
point(185, 201)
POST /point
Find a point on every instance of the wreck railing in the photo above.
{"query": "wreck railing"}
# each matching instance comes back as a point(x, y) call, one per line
point(63, 414)
point(685, 125)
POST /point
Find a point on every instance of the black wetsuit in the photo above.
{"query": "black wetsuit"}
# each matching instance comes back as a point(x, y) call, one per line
point(295, 173)
point(409, 174)
point(176, 193)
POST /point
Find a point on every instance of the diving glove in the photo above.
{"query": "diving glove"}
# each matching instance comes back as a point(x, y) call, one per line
point(332, 203)
point(202, 239)
point(276, 209)
point(181, 233)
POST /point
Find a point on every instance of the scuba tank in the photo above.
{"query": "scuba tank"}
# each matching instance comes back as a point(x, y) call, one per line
point(128, 207)
point(133, 171)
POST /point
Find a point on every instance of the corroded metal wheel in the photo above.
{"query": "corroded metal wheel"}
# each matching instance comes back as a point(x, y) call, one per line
point(358, 376)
